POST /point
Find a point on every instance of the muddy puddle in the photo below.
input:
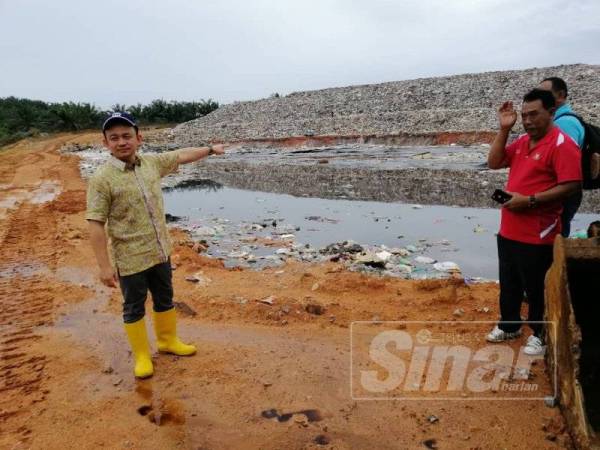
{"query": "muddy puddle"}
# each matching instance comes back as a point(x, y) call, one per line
point(42, 192)
point(230, 219)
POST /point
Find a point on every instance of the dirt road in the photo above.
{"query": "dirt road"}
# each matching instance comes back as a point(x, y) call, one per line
point(65, 370)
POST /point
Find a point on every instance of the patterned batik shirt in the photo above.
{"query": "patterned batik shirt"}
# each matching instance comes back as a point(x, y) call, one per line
point(128, 198)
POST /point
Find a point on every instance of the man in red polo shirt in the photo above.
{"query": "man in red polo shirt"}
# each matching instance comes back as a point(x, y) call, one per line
point(545, 169)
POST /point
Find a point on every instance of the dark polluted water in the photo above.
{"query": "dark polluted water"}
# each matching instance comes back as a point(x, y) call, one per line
point(465, 236)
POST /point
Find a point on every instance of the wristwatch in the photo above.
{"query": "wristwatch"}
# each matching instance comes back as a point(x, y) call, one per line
point(532, 201)
point(211, 150)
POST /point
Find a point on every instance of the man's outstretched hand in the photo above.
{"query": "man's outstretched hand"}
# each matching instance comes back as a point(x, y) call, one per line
point(193, 154)
point(507, 115)
point(219, 149)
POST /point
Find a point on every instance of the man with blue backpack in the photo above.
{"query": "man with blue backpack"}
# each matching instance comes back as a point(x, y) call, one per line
point(568, 122)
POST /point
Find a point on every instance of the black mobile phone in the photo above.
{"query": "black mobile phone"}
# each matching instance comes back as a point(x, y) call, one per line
point(500, 196)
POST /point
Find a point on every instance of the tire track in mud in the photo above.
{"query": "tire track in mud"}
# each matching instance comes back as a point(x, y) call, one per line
point(28, 290)
point(37, 236)
point(26, 304)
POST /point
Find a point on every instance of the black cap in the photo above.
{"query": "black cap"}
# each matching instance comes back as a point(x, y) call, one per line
point(119, 117)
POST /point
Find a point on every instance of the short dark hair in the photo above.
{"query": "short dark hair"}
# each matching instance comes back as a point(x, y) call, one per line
point(558, 84)
point(594, 229)
point(539, 94)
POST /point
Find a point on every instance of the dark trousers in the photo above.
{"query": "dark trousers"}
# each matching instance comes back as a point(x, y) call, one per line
point(523, 268)
point(570, 207)
point(135, 288)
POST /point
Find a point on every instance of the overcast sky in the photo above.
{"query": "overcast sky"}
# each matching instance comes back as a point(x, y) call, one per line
point(132, 51)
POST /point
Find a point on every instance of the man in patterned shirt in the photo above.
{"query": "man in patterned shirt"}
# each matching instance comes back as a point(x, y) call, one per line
point(125, 204)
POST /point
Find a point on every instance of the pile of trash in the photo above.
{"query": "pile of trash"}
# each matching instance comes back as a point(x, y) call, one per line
point(269, 243)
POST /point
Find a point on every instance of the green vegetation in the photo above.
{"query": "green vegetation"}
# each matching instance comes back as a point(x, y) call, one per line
point(20, 118)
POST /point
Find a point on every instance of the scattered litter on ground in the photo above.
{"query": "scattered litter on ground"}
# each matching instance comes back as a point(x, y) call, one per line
point(384, 255)
point(321, 219)
point(430, 444)
point(316, 309)
point(424, 260)
point(184, 308)
point(458, 312)
point(269, 244)
point(270, 300)
point(579, 234)
point(446, 266)
point(198, 278)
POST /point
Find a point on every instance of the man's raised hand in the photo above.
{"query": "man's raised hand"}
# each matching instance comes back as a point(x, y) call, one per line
point(507, 116)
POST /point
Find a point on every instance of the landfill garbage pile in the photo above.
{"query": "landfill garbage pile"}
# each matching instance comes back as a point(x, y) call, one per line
point(459, 103)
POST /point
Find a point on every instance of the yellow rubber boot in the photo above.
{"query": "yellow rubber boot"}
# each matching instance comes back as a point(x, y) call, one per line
point(138, 339)
point(165, 326)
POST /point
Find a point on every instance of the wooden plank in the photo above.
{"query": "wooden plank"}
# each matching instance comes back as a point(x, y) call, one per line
point(565, 336)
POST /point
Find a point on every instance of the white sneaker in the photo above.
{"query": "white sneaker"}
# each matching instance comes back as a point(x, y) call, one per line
point(497, 335)
point(534, 346)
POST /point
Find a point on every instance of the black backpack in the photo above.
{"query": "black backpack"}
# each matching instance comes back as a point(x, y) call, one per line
point(590, 153)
